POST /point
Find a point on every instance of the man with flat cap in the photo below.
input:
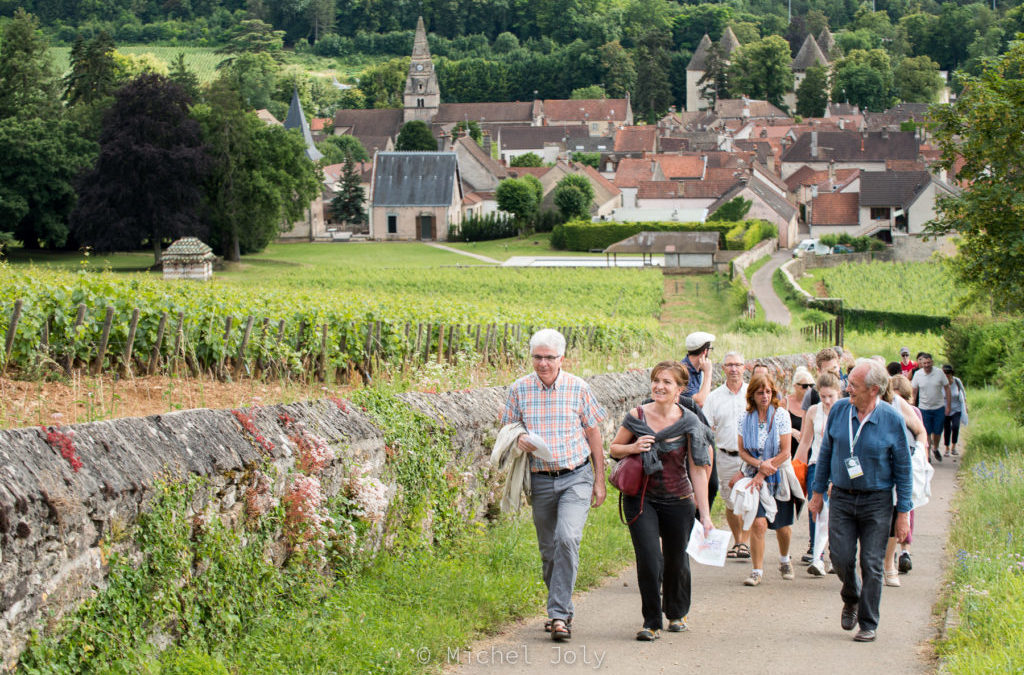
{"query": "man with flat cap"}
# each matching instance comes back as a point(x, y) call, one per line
point(698, 366)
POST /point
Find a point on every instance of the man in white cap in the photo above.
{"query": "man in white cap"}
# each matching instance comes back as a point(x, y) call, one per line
point(698, 365)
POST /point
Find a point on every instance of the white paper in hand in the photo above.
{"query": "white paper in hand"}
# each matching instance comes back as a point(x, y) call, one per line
point(542, 452)
point(709, 550)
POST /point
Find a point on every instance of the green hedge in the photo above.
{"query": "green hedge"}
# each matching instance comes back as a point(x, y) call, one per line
point(867, 319)
point(584, 235)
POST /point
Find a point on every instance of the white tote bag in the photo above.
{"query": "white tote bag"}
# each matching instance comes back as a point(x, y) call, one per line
point(923, 473)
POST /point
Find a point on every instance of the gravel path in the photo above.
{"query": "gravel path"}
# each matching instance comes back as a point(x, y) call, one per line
point(761, 283)
point(780, 626)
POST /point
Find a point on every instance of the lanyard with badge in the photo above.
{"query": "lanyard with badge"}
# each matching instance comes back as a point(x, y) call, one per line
point(853, 467)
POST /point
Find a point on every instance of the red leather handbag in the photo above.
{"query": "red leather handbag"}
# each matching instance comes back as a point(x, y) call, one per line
point(628, 475)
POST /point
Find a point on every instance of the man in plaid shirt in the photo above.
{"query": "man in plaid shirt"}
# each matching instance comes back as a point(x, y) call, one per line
point(561, 410)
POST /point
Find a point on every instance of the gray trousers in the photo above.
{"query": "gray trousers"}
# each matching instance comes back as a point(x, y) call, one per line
point(560, 508)
point(860, 519)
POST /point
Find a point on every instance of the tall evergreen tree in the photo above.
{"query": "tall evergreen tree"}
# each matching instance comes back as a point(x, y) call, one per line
point(93, 74)
point(183, 77)
point(714, 84)
point(28, 87)
point(146, 184)
point(349, 206)
point(812, 94)
point(653, 89)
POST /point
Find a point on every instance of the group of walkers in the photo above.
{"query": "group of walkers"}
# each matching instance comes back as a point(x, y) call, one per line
point(852, 447)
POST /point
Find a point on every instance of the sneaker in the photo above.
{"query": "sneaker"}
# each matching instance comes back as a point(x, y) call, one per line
point(947, 451)
point(905, 563)
point(937, 454)
point(954, 452)
point(816, 568)
point(678, 625)
point(786, 570)
point(754, 579)
point(807, 558)
point(648, 634)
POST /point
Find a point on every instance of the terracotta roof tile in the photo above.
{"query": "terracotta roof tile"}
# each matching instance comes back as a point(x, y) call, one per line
point(836, 208)
point(631, 172)
point(677, 167)
point(658, 189)
point(583, 110)
point(501, 112)
point(706, 189)
point(636, 139)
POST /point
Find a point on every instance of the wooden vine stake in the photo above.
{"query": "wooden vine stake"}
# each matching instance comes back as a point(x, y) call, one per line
point(126, 356)
point(11, 328)
point(97, 364)
point(154, 356)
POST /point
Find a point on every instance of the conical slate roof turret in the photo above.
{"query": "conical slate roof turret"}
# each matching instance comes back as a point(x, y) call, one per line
point(700, 55)
point(827, 42)
point(810, 54)
point(297, 120)
point(729, 42)
point(420, 48)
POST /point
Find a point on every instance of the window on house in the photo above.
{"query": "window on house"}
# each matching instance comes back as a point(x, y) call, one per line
point(419, 103)
point(392, 224)
point(879, 213)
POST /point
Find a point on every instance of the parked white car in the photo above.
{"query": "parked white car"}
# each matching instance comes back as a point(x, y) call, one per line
point(811, 246)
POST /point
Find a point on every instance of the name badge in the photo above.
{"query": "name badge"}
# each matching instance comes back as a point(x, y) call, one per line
point(853, 468)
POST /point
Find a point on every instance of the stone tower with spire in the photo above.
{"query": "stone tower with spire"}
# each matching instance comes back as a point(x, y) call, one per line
point(422, 95)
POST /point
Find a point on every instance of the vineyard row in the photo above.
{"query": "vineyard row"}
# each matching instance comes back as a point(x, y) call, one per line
point(259, 346)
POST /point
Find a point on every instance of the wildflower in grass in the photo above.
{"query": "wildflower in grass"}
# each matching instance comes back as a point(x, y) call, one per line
point(304, 514)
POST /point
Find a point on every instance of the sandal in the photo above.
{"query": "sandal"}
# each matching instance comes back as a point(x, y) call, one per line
point(742, 551)
point(560, 630)
point(648, 634)
point(547, 625)
point(733, 552)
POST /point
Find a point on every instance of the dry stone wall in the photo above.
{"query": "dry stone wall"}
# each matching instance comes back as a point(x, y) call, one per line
point(55, 523)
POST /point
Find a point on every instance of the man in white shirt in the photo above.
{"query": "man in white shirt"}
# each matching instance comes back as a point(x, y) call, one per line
point(722, 408)
point(932, 394)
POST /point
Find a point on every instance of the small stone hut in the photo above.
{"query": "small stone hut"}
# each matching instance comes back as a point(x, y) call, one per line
point(188, 258)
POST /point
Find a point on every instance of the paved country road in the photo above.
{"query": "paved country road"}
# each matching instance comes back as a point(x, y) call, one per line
point(777, 627)
point(761, 284)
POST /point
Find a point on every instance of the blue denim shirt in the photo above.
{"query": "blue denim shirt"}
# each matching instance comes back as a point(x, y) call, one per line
point(696, 378)
point(882, 449)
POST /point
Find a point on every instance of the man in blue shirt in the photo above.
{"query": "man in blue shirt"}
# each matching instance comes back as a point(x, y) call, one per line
point(698, 366)
point(864, 454)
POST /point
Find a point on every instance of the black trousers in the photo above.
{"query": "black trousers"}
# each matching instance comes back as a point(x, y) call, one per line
point(951, 427)
point(660, 536)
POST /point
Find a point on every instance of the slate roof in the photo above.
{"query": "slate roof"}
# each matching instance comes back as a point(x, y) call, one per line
point(584, 110)
point(373, 128)
point(591, 143)
point(297, 120)
point(700, 54)
point(892, 188)
point(502, 112)
point(415, 179)
point(810, 54)
point(636, 139)
point(188, 250)
point(660, 242)
point(850, 146)
point(827, 43)
point(836, 208)
point(729, 42)
point(529, 138)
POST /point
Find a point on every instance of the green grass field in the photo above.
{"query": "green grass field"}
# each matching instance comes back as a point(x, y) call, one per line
point(911, 288)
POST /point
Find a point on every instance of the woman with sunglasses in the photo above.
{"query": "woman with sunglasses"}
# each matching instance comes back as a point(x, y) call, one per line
point(802, 382)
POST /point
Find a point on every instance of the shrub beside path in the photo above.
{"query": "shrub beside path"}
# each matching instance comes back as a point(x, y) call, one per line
point(780, 626)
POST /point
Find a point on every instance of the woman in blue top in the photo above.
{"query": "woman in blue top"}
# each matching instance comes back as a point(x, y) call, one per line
point(764, 439)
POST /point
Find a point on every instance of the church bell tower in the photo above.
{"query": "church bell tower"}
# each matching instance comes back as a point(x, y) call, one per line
point(422, 95)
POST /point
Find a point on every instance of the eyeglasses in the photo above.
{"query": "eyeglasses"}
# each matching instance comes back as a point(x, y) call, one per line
point(805, 386)
point(732, 365)
point(541, 357)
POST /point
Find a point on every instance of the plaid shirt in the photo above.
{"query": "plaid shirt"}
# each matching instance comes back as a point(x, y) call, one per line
point(559, 414)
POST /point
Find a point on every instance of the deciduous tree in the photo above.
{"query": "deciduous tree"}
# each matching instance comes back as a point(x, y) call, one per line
point(917, 80)
point(984, 128)
point(762, 70)
point(146, 186)
point(335, 149)
point(415, 136)
point(864, 78)
point(528, 159)
point(573, 196)
point(518, 197)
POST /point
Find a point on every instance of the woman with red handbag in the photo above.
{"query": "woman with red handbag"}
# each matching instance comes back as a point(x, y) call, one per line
point(674, 446)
